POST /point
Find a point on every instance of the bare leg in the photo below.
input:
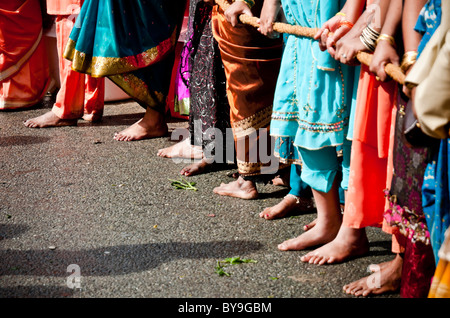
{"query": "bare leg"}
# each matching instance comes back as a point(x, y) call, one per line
point(153, 125)
point(182, 149)
point(348, 243)
point(240, 188)
point(386, 277)
point(287, 205)
point(329, 219)
point(49, 119)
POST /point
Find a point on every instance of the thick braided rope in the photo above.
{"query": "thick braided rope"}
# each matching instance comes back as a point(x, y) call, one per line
point(365, 58)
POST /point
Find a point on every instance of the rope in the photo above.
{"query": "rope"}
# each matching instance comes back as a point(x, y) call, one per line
point(365, 58)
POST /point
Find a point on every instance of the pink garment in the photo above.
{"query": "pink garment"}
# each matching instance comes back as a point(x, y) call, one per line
point(64, 7)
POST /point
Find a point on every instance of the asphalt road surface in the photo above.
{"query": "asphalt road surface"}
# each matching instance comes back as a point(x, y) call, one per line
point(85, 216)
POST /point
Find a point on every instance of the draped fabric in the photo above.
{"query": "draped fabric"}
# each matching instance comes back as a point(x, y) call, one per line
point(406, 215)
point(251, 63)
point(440, 286)
point(131, 42)
point(24, 70)
point(417, 271)
point(436, 195)
point(63, 7)
point(408, 204)
point(314, 92)
point(181, 96)
point(365, 201)
point(209, 115)
point(431, 76)
point(180, 89)
point(405, 211)
point(436, 187)
point(313, 97)
point(79, 94)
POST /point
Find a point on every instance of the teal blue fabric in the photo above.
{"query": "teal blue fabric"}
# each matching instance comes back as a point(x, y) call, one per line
point(115, 28)
point(314, 92)
point(129, 29)
point(436, 195)
point(314, 98)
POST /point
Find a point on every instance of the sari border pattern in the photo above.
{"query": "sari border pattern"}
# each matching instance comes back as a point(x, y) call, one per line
point(98, 66)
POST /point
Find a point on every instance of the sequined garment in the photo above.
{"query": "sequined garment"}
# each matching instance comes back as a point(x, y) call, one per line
point(209, 107)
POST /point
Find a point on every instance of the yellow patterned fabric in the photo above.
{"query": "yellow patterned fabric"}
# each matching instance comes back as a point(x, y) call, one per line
point(440, 286)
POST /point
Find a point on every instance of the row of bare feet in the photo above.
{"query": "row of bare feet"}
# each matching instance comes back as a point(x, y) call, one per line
point(152, 125)
point(337, 243)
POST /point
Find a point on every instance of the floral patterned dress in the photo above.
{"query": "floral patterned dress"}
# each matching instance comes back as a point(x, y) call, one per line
point(410, 176)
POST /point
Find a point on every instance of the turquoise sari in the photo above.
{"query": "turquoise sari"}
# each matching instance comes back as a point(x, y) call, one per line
point(130, 42)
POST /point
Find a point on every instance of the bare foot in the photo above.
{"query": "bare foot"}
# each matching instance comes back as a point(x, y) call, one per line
point(348, 243)
point(93, 118)
point(288, 204)
point(281, 180)
point(49, 119)
point(386, 277)
point(194, 169)
point(323, 232)
point(182, 149)
point(152, 125)
point(240, 188)
point(310, 225)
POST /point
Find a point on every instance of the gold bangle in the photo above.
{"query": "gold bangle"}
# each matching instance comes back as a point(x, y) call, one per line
point(408, 60)
point(249, 3)
point(341, 13)
point(386, 37)
point(368, 38)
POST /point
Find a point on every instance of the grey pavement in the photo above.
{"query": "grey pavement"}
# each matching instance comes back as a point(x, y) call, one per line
point(73, 196)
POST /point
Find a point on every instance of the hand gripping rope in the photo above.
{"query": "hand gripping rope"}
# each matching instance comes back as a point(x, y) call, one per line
point(394, 71)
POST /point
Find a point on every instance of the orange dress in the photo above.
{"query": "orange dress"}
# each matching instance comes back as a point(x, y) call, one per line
point(63, 7)
point(24, 69)
point(370, 163)
point(79, 94)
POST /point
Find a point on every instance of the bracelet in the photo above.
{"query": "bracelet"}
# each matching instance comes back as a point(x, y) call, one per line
point(346, 23)
point(386, 37)
point(369, 37)
point(341, 13)
point(408, 60)
point(297, 199)
point(250, 3)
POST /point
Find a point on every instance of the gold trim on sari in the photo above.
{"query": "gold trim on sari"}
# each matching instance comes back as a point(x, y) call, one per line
point(132, 85)
point(98, 66)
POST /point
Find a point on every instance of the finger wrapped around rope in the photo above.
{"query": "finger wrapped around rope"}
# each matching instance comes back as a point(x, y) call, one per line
point(394, 71)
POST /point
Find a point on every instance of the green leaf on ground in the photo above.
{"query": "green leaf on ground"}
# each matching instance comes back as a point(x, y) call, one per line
point(220, 268)
point(183, 184)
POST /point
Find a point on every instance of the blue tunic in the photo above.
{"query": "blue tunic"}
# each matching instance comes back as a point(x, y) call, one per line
point(314, 92)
